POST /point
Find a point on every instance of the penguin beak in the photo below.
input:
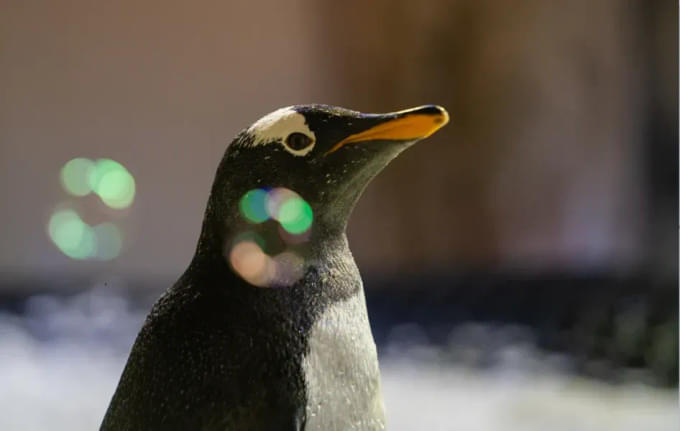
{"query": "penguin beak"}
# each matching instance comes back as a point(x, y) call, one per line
point(407, 125)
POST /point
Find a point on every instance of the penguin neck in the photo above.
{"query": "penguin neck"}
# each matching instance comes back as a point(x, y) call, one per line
point(222, 224)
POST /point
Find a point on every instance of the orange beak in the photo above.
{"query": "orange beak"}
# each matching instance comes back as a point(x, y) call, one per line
point(407, 125)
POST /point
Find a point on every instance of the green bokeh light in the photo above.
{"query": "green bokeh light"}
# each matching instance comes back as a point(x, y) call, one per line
point(75, 175)
point(295, 215)
point(113, 183)
point(116, 188)
point(71, 235)
point(252, 206)
point(109, 241)
point(78, 240)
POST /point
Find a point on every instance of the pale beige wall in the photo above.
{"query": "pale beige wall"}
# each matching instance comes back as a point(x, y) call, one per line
point(540, 166)
point(159, 86)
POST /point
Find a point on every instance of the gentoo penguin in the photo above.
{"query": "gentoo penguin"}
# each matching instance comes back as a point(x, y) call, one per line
point(267, 329)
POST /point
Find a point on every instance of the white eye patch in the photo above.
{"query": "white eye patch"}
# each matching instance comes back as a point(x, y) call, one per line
point(276, 127)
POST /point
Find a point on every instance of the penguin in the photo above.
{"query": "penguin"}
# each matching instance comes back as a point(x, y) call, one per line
point(267, 328)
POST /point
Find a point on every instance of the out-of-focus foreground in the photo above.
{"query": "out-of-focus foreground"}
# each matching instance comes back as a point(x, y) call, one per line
point(520, 266)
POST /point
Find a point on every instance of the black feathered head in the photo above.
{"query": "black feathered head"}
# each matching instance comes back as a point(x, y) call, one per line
point(301, 169)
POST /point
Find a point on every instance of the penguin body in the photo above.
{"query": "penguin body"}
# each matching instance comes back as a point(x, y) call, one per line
point(288, 347)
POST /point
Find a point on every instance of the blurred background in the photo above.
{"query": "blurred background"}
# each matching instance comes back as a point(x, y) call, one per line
point(521, 266)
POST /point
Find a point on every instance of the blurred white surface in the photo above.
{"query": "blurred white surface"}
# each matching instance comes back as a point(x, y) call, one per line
point(58, 373)
point(419, 396)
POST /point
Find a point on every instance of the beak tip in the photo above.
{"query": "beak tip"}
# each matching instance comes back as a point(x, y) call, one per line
point(442, 117)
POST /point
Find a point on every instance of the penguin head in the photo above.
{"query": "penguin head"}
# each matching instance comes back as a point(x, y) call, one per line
point(287, 184)
point(326, 155)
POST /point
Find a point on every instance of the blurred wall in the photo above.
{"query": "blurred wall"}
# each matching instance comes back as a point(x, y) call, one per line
point(161, 87)
point(545, 165)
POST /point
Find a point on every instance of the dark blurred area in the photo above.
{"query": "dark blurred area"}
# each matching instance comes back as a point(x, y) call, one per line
point(543, 216)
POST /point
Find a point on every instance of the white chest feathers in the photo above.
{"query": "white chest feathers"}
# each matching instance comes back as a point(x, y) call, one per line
point(341, 371)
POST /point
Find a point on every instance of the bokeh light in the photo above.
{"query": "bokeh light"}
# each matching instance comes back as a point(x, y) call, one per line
point(277, 197)
point(248, 254)
point(71, 235)
point(252, 264)
point(105, 177)
point(281, 204)
point(293, 239)
point(113, 183)
point(78, 240)
point(256, 267)
point(109, 241)
point(75, 176)
point(252, 206)
point(295, 215)
point(289, 268)
point(116, 188)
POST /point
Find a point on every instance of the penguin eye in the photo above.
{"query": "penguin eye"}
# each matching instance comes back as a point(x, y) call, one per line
point(298, 141)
